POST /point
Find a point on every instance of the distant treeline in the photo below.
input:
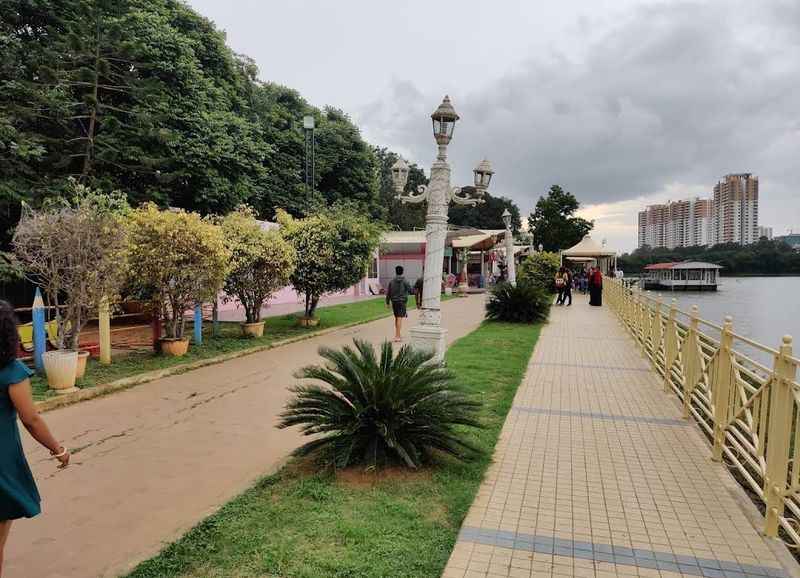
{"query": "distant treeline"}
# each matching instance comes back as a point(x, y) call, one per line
point(762, 258)
point(144, 96)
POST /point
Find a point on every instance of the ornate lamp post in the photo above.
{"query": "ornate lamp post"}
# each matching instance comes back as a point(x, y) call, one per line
point(429, 333)
point(511, 266)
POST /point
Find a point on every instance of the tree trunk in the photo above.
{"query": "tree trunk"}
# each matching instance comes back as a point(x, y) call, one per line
point(87, 159)
point(314, 303)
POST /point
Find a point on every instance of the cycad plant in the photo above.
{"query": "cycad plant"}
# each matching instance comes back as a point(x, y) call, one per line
point(521, 303)
point(378, 409)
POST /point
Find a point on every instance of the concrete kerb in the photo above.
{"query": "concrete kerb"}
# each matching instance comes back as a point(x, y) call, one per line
point(146, 377)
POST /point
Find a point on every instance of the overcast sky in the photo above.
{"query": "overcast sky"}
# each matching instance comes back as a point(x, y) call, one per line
point(622, 102)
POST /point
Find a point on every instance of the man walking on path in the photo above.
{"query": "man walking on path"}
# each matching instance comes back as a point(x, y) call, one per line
point(397, 294)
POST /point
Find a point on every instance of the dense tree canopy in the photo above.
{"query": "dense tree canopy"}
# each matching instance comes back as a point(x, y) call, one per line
point(556, 226)
point(486, 215)
point(145, 97)
point(762, 258)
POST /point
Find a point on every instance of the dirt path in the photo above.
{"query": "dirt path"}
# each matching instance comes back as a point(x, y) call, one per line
point(154, 460)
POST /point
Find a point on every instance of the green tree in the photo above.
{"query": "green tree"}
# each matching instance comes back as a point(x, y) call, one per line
point(346, 167)
point(554, 220)
point(179, 258)
point(334, 250)
point(486, 215)
point(540, 269)
point(261, 261)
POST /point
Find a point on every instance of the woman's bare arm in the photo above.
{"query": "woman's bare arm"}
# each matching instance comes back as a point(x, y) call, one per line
point(22, 398)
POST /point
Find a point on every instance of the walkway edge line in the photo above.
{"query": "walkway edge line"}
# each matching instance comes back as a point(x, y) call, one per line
point(67, 399)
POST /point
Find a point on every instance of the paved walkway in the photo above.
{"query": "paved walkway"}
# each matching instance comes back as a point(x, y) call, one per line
point(154, 460)
point(596, 474)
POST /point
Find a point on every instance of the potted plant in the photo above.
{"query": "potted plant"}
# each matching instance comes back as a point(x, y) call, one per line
point(261, 263)
point(73, 247)
point(334, 250)
point(180, 259)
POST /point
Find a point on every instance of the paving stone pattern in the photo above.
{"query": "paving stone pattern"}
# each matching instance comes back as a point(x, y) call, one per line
point(594, 474)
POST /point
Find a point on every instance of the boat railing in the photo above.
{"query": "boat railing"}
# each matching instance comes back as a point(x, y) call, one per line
point(743, 395)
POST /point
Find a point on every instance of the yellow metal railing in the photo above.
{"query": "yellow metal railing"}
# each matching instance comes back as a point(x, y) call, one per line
point(749, 410)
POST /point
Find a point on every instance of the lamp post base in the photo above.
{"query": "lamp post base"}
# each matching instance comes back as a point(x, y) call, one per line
point(430, 338)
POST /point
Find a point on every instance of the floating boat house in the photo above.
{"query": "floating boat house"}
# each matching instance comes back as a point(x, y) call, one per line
point(685, 276)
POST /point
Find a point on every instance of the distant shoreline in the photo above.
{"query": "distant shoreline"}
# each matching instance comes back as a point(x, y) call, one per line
point(745, 275)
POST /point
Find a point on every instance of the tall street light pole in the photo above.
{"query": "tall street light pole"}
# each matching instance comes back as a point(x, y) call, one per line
point(429, 334)
point(511, 265)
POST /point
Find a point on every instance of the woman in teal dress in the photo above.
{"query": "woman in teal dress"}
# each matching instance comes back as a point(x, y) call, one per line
point(19, 497)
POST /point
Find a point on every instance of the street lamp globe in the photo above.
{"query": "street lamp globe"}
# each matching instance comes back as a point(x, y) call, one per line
point(507, 219)
point(483, 175)
point(399, 175)
point(444, 121)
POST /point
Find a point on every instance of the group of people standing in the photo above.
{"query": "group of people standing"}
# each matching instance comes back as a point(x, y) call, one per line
point(590, 280)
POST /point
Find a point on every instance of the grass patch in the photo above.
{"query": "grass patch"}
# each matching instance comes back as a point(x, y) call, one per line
point(230, 340)
point(298, 524)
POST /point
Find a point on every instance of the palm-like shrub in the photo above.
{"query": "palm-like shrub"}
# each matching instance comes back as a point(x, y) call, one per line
point(523, 303)
point(377, 409)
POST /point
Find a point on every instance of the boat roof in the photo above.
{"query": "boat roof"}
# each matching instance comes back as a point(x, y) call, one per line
point(683, 265)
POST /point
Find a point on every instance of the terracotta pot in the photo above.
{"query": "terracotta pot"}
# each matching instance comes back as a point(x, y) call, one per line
point(61, 368)
point(307, 321)
point(253, 329)
point(83, 357)
point(174, 347)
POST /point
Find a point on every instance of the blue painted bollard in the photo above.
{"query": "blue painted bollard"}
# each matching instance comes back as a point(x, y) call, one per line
point(39, 331)
point(198, 324)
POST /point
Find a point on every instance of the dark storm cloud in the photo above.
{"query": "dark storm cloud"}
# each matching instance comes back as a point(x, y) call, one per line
point(675, 93)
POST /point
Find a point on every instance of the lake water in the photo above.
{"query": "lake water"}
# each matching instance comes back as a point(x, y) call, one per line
point(764, 309)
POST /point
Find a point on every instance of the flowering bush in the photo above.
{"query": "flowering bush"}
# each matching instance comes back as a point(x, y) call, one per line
point(74, 248)
point(261, 261)
point(179, 258)
point(334, 250)
point(540, 269)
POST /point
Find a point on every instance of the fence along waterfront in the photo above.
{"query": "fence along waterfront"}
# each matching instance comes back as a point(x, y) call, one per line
point(748, 410)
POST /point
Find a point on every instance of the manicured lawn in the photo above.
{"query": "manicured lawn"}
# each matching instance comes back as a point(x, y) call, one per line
point(230, 340)
point(298, 524)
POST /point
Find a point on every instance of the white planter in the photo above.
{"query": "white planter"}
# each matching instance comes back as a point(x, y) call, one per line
point(448, 290)
point(61, 368)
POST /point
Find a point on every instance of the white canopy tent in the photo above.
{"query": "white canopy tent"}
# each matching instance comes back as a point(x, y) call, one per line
point(587, 251)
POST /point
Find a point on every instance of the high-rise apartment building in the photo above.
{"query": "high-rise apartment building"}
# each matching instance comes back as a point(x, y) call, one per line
point(764, 232)
point(735, 209)
point(683, 223)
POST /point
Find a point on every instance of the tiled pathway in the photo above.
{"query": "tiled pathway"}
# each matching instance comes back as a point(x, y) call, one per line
point(596, 474)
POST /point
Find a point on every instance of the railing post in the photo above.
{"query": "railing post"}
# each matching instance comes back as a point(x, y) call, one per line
point(670, 345)
point(781, 411)
point(656, 335)
point(721, 386)
point(644, 316)
point(104, 325)
point(691, 359)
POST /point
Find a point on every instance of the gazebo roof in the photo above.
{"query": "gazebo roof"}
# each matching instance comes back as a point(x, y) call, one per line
point(588, 248)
